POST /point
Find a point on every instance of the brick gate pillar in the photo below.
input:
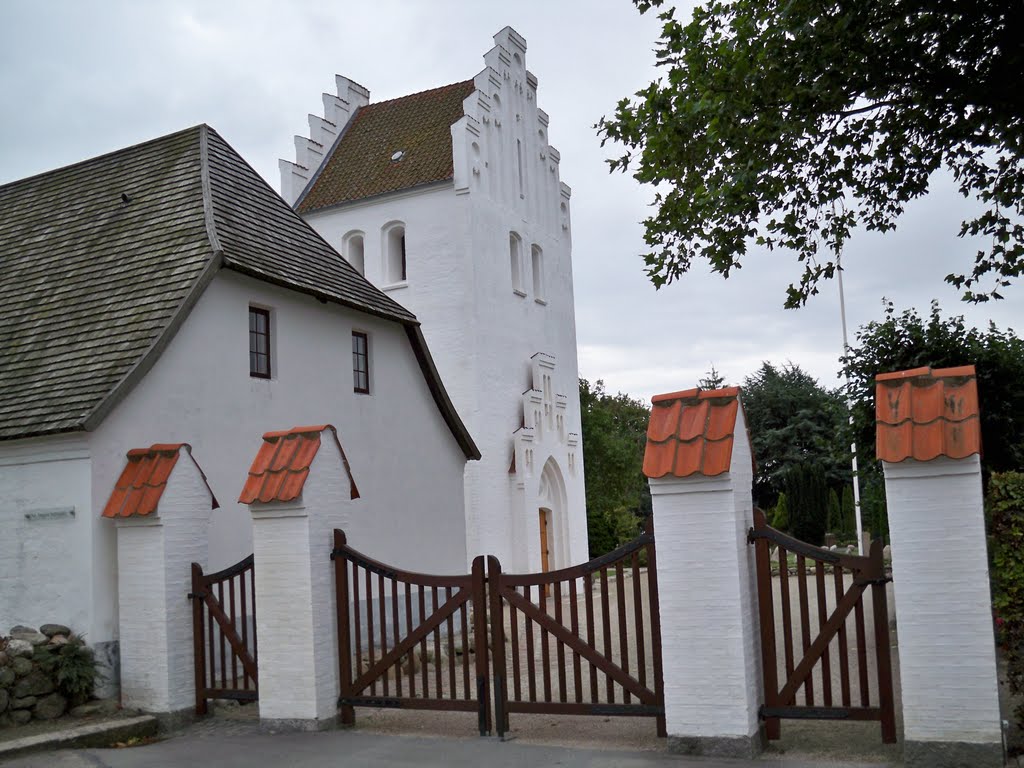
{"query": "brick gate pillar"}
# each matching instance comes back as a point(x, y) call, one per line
point(161, 506)
point(298, 490)
point(929, 441)
point(698, 461)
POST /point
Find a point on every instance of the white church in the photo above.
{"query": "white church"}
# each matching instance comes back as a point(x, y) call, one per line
point(450, 202)
point(181, 300)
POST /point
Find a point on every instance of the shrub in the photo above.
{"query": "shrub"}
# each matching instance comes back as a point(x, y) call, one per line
point(779, 519)
point(1005, 512)
point(72, 666)
point(834, 521)
point(808, 503)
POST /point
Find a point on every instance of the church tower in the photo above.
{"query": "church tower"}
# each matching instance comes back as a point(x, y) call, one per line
point(450, 201)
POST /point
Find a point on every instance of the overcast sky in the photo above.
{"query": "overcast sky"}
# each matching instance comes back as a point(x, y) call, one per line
point(81, 77)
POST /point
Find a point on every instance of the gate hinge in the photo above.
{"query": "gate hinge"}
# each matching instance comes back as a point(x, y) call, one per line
point(196, 595)
point(750, 535)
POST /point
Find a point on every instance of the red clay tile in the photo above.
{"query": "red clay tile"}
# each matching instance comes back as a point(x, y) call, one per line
point(142, 482)
point(281, 466)
point(664, 421)
point(717, 456)
point(925, 413)
point(692, 420)
point(722, 421)
point(691, 432)
point(688, 458)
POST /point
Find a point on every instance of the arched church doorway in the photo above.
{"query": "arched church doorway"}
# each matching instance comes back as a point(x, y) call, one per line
point(551, 517)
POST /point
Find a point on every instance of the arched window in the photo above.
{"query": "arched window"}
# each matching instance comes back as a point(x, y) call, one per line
point(515, 249)
point(537, 263)
point(394, 254)
point(353, 251)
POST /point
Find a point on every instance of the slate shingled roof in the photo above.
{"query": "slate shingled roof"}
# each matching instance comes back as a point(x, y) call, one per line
point(359, 164)
point(101, 261)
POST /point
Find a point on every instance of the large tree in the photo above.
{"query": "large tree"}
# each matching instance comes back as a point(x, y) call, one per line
point(793, 422)
point(614, 437)
point(789, 123)
point(907, 340)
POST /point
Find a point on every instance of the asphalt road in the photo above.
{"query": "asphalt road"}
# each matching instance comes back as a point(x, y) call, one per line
point(349, 748)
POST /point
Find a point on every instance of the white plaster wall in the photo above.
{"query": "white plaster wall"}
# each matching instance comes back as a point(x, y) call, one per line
point(46, 567)
point(297, 619)
point(481, 333)
point(284, 589)
point(943, 605)
point(404, 458)
point(142, 587)
point(154, 555)
point(185, 508)
point(706, 588)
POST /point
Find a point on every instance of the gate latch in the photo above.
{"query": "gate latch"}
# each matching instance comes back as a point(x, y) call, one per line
point(196, 595)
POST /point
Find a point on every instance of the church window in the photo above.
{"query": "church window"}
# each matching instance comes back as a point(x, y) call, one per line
point(515, 247)
point(352, 249)
point(360, 362)
point(394, 254)
point(259, 343)
point(519, 161)
point(537, 263)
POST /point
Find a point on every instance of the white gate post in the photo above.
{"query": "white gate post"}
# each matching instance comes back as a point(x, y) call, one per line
point(298, 490)
point(700, 469)
point(929, 440)
point(161, 506)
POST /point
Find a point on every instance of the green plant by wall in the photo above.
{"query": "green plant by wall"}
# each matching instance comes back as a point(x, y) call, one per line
point(72, 666)
point(1004, 506)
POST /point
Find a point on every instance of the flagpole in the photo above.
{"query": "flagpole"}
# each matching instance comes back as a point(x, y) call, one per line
point(849, 406)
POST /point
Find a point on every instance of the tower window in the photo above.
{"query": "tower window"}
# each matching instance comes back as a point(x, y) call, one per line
point(537, 262)
point(394, 254)
point(354, 251)
point(515, 247)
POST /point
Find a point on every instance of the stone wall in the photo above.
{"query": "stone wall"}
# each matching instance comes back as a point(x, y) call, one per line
point(29, 689)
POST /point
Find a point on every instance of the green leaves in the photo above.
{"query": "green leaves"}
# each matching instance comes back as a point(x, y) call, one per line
point(908, 340)
point(614, 436)
point(1004, 508)
point(791, 124)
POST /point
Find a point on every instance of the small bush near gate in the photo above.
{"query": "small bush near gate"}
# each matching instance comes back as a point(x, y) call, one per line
point(72, 667)
point(779, 519)
point(1005, 511)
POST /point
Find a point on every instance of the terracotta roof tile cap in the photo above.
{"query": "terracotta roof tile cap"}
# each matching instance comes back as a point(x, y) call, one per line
point(697, 394)
point(937, 373)
point(281, 466)
point(142, 481)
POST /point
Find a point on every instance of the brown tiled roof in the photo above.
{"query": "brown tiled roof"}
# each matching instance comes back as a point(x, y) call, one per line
point(145, 476)
point(280, 469)
point(924, 413)
point(360, 165)
point(691, 432)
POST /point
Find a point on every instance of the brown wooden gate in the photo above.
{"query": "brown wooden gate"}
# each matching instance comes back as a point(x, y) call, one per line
point(224, 633)
point(849, 579)
point(405, 639)
point(622, 667)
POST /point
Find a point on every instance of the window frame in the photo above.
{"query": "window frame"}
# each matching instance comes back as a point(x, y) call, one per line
point(365, 356)
point(255, 334)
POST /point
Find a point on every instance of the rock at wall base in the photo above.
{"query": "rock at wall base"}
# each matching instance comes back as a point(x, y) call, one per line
point(50, 707)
